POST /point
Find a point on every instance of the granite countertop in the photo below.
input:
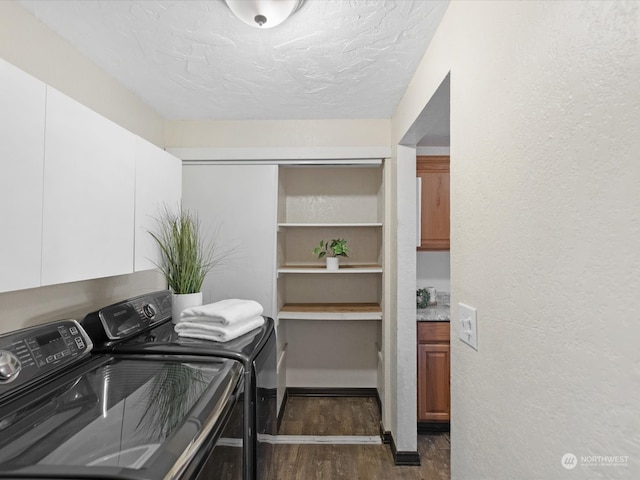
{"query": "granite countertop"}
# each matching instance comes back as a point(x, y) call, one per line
point(436, 313)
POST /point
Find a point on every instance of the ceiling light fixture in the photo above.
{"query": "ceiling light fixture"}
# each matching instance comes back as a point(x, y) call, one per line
point(263, 13)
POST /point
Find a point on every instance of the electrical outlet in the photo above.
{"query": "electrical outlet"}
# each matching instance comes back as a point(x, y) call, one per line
point(467, 326)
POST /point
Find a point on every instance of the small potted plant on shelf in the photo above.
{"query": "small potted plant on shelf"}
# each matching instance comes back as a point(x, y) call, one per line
point(332, 250)
point(185, 257)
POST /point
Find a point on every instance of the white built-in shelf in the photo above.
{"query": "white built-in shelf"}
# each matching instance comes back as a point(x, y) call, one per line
point(322, 269)
point(330, 311)
point(330, 225)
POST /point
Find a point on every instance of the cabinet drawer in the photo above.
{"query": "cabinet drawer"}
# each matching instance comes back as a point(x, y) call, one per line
point(429, 332)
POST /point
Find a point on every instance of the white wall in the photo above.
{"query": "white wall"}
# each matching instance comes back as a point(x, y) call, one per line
point(545, 108)
point(434, 270)
point(32, 47)
point(403, 319)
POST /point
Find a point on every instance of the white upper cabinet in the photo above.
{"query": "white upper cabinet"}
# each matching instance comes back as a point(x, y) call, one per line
point(89, 182)
point(158, 186)
point(78, 193)
point(22, 112)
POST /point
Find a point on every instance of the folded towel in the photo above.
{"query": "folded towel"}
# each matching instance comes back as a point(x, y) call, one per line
point(217, 332)
point(225, 312)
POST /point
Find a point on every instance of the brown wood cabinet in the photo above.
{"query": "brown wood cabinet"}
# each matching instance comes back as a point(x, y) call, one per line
point(434, 203)
point(434, 360)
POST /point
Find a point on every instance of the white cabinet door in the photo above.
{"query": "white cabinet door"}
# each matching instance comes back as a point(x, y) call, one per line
point(89, 181)
point(239, 203)
point(22, 107)
point(158, 186)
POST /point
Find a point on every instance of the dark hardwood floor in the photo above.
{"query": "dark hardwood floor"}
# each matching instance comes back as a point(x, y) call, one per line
point(349, 416)
point(330, 416)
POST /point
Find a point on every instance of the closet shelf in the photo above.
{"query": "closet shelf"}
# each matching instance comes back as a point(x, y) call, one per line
point(330, 225)
point(322, 269)
point(331, 311)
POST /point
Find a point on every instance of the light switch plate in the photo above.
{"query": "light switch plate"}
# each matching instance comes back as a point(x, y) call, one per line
point(467, 325)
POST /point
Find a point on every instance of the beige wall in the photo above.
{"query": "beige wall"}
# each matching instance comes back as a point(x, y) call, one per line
point(32, 47)
point(545, 227)
point(26, 308)
point(278, 133)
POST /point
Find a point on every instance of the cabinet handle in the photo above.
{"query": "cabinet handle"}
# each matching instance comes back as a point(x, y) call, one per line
point(418, 209)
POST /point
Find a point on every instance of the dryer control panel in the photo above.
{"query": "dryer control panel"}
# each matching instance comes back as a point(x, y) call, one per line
point(129, 317)
point(31, 353)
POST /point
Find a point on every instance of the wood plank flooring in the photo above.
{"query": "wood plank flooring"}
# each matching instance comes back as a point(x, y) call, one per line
point(349, 416)
point(330, 416)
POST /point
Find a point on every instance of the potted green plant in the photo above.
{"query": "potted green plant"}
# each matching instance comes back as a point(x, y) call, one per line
point(332, 250)
point(185, 256)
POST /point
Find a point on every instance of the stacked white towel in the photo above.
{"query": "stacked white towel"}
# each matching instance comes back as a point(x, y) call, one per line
point(220, 321)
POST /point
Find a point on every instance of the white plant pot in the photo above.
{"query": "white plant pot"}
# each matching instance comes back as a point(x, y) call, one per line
point(182, 301)
point(333, 263)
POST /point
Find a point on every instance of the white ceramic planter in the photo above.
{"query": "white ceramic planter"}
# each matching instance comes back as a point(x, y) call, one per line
point(182, 301)
point(333, 263)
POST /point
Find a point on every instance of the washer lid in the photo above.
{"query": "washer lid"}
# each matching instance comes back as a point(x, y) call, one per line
point(139, 418)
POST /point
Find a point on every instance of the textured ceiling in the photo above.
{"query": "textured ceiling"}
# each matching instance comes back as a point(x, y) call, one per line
point(194, 60)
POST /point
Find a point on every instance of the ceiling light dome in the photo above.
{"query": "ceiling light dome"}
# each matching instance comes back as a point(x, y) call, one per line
point(263, 13)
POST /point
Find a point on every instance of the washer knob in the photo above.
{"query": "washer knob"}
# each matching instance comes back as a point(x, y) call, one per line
point(9, 366)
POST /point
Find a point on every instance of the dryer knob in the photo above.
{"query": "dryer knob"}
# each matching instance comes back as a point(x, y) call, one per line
point(149, 311)
point(9, 366)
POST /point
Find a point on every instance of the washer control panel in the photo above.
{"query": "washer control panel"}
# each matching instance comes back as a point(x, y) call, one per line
point(37, 351)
